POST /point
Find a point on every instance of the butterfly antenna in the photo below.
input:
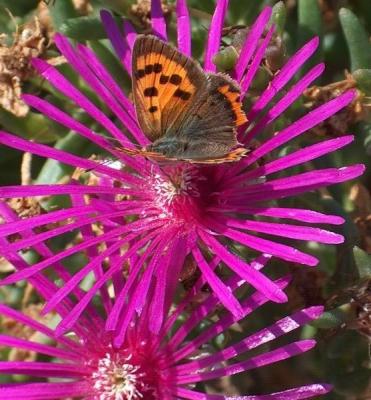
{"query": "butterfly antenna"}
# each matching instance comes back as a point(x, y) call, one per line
point(99, 163)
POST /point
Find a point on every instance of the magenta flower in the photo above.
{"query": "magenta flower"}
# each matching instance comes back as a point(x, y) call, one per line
point(91, 363)
point(147, 209)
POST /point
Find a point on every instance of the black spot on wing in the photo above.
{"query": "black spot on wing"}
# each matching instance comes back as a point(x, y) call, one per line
point(150, 92)
point(148, 69)
point(153, 109)
point(164, 79)
point(140, 74)
point(182, 94)
point(157, 68)
point(175, 79)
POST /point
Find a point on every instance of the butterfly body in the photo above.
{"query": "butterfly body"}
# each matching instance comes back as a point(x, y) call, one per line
point(188, 115)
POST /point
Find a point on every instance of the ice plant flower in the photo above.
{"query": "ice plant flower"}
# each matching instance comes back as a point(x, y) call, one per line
point(146, 208)
point(91, 363)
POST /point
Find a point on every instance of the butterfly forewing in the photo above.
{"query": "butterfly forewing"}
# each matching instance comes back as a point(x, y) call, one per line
point(165, 83)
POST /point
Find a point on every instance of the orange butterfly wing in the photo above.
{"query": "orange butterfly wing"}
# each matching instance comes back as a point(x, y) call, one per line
point(175, 99)
point(165, 83)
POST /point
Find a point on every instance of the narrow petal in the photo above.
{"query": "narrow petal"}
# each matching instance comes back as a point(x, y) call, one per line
point(139, 295)
point(302, 392)
point(271, 357)
point(114, 315)
point(178, 257)
point(296, 214)
point(42, 369)
point(130, 36)
point(281, 251)
point(39, 220)
point(210, 302)
point(215, 34)
point(64, 119)
point(295, 158)
point(69, 320)
point(59, 155)
point(42, 237)
point(50, 190)
point(36, 326)
point(244, 270)
point(35, 268)
point(251, 42)
point(297, 184)
point(70, 285)
point(279, 328)
point(45, 391)
point(303, 124)
point(183, 27)
point(87, 233)
point(157, 306)
point(285, 102)
point(224, 294)
point(256, 62)
point(199, 313)
point(41, 249)
point(158, 20)
point(113, 33)
point(42, 284)
point(119, 41)
point(127, 106)
point(286, 73)
point(95, 79)
point(286, 230)
point(52, 75)
point(249, 304)
point(51, 351)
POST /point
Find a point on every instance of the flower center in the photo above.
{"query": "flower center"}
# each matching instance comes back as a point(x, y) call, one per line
point(176, 190)
point(116, 378)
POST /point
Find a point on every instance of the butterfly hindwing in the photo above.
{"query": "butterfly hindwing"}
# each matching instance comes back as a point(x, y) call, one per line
point(165, 84)
point(209, 127)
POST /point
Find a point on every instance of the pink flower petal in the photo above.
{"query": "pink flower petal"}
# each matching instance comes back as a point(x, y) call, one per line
point(183, 27)
point(215, 34)
point(244, 270)
point(285, 74)
point(158, 20)
point(251, 42)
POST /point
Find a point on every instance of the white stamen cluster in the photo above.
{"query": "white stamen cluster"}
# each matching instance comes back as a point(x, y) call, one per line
point(117, 379)
point(179, 183)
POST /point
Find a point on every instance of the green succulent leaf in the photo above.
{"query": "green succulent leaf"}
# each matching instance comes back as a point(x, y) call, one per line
point(357, 39)
point(363, 80)
point(310, 24)
point(333, 318)
point(363, 262)
point(61, 11)
point(19, 7)
point(33, 126)
point(85, 28)
point(279, 15)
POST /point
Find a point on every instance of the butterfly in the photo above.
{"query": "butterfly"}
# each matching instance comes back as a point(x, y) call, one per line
point(187, 114)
